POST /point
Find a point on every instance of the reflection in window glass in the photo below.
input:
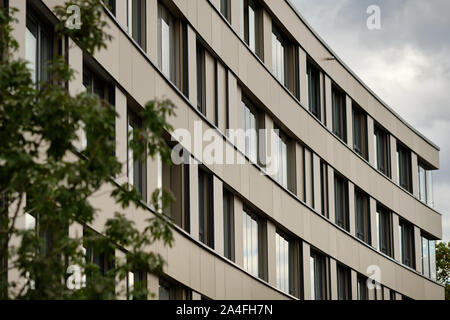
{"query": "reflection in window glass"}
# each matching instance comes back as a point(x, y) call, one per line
point(425, 185)
point(30, 52)
point(280, 158)
point(318, 276)
point(425, 257)
point(251, 249)
point(429, 257)
point(251, 28)
point(249, 126)
point(282, 262)
point(278, 58)
point(166, 39)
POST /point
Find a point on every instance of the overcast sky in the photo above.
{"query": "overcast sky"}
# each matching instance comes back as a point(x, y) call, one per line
point(406, 63)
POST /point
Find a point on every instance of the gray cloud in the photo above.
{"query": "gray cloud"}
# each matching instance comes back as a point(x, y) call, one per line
point(406, 63)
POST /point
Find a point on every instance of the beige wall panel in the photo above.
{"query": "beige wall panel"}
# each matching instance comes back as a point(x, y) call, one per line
point(243, 61)
point(235, 16)
point(234, 107)
point(206, 13)
point(152, 29)
point(143, 80)
point(354, 285)
point(125, 65)
point(267, 29)
point(220, 285)
point(110, 56)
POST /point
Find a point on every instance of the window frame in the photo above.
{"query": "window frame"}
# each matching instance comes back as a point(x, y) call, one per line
point(44, 33)
point(386, 214)
point(313, 75)
point(344, 286)
point(282, 148)
point(362, 218)
point(339, 114)
point(261, 240)
point(323, 267)
point(324, 189)
point(206, 207)
point(228, 223)
point(249, 109)
point(255, 7)
point(430, 258)
point(176, 46)
point(280, 243)
point(362, 289)
point(406, 243)
point(136, 21)
point(225, 9)
point(360, 130)
point(425, 184)
point(382, 143)
point(404, 167)
point(134, 122)
point(342, 216)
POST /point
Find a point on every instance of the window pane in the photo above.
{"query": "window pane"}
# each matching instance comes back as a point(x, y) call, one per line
point(425, 258)
point(250, 129)
point(429, 183)
point(251, 29)
point(255, 248)
point(166, 42)
point(31, 53)
point(251, 249)
point(130, 157)
point(422, 184)
point(432, 253)
point(282, 260)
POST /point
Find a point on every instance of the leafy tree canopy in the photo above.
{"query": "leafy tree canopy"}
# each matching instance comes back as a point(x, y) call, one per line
point(44, 174)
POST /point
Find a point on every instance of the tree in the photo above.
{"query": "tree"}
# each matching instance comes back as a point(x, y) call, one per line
point(43, 174)
point(443, 266)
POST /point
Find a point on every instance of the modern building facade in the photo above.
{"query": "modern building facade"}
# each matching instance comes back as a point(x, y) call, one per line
point(352, 198)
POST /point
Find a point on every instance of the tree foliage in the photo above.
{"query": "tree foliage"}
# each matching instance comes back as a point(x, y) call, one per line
point(443, 266)
point(44, 174)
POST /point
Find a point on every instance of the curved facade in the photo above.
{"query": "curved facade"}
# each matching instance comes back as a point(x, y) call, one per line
point(352, 198)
